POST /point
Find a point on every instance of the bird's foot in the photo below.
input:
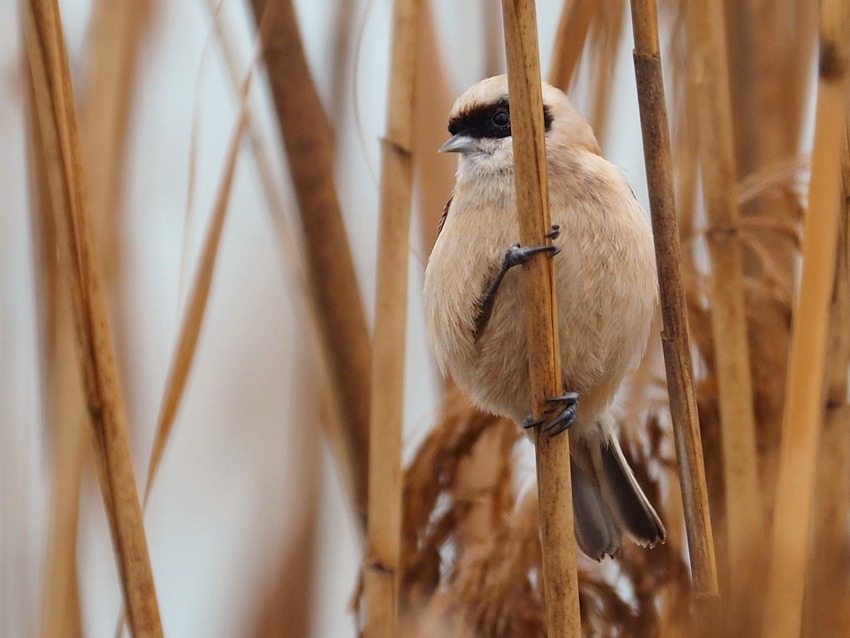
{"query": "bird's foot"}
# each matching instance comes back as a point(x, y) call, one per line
point(564, 417)
point(518, 255)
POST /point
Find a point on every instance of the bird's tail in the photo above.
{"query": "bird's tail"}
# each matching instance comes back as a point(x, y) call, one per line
point(608, 501)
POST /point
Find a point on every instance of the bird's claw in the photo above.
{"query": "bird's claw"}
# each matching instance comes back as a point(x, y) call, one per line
point(562, 420)
point(518, 255)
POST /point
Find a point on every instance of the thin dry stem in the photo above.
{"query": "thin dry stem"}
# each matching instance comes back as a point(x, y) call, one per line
point(54, 102)
point(803, 400)
point(532, 197)
point(674, 337)
point(381, 571)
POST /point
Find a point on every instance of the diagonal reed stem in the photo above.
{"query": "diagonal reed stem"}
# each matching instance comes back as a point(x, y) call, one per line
point(674, 336)
point(54, 103)
point(532, 197)
point(333, 284)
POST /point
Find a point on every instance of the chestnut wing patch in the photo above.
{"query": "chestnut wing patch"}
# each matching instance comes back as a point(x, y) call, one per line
point(444, 215)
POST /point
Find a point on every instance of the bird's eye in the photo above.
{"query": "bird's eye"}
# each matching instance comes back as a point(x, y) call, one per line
point(501, 118)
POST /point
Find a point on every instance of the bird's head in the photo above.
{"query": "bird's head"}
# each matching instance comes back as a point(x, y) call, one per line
point(480, 124)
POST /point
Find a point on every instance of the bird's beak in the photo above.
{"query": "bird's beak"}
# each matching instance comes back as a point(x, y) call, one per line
point(458, 144)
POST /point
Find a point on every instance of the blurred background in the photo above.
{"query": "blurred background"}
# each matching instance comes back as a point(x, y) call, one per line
point(249, 506)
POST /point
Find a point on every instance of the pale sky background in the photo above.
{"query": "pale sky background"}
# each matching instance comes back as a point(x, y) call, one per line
point(218, 516)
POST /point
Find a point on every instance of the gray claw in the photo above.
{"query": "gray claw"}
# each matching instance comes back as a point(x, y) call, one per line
point(562, 420)
point(530, 422)
point(518, 255)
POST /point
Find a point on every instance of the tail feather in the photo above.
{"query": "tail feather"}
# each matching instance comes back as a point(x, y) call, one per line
point(626, 499)
point(608, 501)
point(597, 533)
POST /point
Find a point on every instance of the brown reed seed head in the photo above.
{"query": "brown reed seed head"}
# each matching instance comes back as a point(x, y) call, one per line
point(490, 585)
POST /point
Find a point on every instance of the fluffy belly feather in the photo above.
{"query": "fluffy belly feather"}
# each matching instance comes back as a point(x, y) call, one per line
point(606, 301)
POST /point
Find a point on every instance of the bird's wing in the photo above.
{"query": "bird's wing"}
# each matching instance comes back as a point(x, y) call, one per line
point(445, 214)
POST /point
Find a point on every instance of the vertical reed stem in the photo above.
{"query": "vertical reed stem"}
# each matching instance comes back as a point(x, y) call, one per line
point(827, 610)
point(532, 198)
point(803, 411)
point(381, 571)
point(744, 510)
point(674, 337)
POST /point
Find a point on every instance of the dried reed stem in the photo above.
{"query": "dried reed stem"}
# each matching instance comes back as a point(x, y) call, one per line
point(308, 143)
point(381, 571)
point(532, 197)
point(744, 509)
point(573, 26)
point(827, 610)
point(804, 395)
point(54, 102)
point(674, 337)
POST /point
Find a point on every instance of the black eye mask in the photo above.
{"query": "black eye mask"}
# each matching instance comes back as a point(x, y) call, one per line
point(489, 121)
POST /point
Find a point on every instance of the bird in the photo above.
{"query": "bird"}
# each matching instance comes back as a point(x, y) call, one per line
point(606, 289)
